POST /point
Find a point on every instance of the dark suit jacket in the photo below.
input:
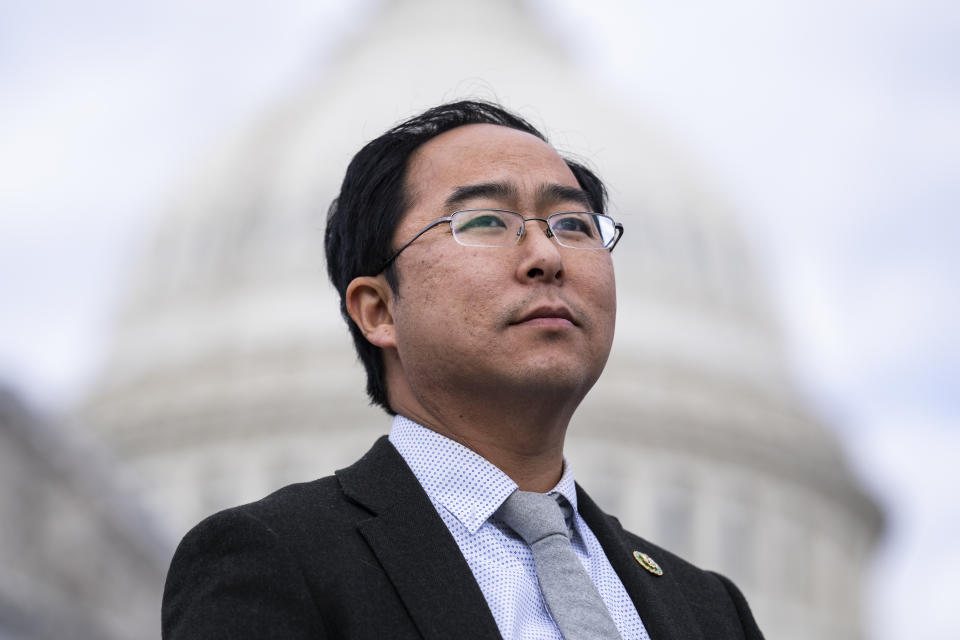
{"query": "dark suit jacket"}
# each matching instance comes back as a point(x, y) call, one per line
point(363, 554)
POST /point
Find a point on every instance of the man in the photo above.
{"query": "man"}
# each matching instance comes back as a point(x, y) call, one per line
point(474, 271)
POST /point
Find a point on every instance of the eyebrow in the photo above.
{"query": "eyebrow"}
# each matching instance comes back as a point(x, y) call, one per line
point(546, 194)
point(557, 193)
point(492, 190)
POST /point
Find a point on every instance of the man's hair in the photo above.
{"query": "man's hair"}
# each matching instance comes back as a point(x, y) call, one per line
point(373, 200)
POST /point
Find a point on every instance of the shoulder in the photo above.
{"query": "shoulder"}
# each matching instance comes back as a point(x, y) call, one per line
point(611, 534)
point(713, 598)
point(242, 560)
point(306, 520)
point(325, 505)
point(702, 586)
point(320, 500)
point(286, 520)
point(299, 562)
point(684, 596)
point(256, 570)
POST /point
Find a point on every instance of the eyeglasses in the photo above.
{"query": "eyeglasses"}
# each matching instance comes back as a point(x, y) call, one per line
point(501, 228)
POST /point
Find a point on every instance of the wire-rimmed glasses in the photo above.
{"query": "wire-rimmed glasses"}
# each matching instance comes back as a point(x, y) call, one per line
point(502, 228)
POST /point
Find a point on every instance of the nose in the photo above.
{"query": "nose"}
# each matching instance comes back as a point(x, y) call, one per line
point(541, 259)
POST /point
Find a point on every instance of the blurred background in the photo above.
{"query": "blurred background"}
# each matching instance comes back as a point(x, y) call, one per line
point(782, 402)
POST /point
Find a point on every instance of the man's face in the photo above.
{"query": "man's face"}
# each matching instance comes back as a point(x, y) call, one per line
point(534, 317)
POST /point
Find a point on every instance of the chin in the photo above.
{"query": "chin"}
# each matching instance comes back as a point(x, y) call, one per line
point(554, 375)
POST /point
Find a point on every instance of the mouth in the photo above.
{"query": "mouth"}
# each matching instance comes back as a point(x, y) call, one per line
point(547, 316)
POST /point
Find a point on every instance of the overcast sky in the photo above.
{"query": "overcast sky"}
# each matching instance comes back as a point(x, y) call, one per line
point(835, 126)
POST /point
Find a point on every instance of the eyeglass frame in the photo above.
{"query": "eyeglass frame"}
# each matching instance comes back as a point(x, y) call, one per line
point(617, 227)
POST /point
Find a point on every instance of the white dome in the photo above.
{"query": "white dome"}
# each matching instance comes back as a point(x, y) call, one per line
point(237, 263)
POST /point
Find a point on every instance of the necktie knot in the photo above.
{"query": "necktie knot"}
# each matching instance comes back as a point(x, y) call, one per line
point(534, 516)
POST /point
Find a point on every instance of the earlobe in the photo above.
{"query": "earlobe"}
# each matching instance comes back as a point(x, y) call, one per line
point(369, 301)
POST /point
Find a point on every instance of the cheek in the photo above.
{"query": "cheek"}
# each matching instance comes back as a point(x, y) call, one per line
point(437, 302)
point(472, 303)
point(598, 288)
point(604, 305)
point(602, 287)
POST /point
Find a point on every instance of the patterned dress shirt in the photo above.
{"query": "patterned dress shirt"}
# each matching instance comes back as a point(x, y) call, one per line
point(466, 490)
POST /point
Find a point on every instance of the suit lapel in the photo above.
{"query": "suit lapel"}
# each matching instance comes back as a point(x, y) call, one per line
point(659, 600)
point(416, 549)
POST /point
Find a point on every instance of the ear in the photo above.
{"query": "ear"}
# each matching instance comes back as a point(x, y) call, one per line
point(369, 302)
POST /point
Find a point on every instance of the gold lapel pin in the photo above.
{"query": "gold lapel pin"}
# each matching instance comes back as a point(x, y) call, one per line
point(648, 563)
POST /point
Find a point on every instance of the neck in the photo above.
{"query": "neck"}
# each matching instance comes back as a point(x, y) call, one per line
point(522, 436)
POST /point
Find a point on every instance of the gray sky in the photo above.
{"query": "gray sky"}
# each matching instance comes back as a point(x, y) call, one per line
point(835, 126)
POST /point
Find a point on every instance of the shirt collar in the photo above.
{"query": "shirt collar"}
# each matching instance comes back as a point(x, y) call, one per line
point(466, 484)
point(567, 486)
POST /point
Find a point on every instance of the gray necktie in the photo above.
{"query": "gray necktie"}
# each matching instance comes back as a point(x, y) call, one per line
point(570, 594)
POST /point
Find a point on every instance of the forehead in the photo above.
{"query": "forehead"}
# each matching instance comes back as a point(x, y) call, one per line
point(483, 153)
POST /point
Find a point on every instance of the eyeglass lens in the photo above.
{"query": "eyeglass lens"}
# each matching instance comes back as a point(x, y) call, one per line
point(493, 228)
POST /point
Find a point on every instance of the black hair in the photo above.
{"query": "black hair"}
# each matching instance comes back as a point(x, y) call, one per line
point(373, 200)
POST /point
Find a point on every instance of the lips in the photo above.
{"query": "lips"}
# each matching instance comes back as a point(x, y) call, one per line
point(547, 316)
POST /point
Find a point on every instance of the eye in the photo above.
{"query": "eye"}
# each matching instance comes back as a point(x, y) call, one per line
point(483, 221)
point(572, 224)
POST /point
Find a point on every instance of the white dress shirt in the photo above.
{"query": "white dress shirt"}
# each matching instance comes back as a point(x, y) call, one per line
point(466, 490)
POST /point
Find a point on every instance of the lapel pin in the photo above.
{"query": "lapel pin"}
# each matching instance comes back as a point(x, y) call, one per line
point(648, 563)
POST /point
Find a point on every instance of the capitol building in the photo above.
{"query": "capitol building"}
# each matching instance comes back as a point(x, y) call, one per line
point(231, 372)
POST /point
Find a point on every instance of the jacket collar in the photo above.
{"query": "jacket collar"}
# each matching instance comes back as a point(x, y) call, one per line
point(416, 550)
